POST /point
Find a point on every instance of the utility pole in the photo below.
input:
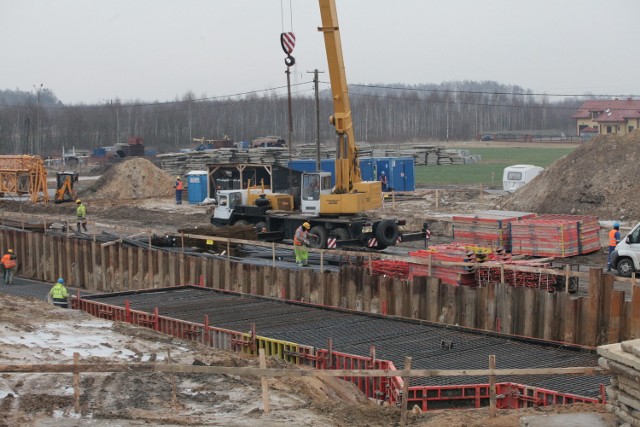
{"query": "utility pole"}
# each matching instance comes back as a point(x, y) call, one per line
point(315, 85)
point(290, 130)
point(36, 144)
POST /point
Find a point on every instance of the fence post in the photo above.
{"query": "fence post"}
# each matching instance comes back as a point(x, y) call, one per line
point(265, 385)
point(492, 386)
point(405, 393)
point(76, 383)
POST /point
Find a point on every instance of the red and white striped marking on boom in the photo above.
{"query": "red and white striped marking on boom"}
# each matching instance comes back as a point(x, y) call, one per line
point(332, 243)
point(372, 243)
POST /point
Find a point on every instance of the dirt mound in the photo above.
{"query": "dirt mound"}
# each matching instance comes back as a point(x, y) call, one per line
point(134, 178)
point(598, 178)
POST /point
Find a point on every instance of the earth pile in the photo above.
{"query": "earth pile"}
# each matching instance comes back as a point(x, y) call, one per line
point(134, 178)
point(599, 178)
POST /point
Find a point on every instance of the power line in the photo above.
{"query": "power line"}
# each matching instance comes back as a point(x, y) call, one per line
point(480, 92)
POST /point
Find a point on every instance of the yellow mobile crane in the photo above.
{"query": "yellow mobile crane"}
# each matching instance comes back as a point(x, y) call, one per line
point(351, 195)
point(336, 214)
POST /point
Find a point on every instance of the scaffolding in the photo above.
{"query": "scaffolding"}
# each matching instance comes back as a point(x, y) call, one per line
point(22, 174)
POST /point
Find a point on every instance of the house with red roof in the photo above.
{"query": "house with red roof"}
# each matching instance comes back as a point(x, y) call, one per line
point(607, 116)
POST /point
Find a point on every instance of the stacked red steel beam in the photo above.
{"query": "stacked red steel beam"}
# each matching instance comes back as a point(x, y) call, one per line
point(489, 275)
point(388, 268)
point(558, 236)
point(451, 274)
point(487, 228)
point(588, 231)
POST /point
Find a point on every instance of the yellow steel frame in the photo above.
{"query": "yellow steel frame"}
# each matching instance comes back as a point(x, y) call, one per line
point(23, 174)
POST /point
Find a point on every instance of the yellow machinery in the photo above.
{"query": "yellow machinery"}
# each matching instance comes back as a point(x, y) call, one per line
point(351, 195)
point(21, 174)
point(64, 186)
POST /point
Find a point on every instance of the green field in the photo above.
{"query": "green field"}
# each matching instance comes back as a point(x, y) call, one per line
point(494, 160)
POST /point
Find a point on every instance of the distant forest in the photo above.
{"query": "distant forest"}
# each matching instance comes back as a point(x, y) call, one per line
point(38, 123)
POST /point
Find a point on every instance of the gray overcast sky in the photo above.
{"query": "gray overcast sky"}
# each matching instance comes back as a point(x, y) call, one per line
point(94, 50)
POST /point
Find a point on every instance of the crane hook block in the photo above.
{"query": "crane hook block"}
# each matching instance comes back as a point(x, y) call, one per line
point(289, 61)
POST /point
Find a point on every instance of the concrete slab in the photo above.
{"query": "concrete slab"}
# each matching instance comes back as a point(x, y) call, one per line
point(617, 354)
point(631, 346)
point(565, 420)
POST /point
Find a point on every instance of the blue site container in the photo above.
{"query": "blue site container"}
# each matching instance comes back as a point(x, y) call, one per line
point(400, 172)
point(329, 165)
point(99, 152)
point(367, 169)
point(197, 186)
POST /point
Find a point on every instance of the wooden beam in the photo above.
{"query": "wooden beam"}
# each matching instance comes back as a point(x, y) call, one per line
point(278, 372)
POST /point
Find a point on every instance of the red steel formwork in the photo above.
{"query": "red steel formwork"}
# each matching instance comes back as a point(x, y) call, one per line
point(388, 389)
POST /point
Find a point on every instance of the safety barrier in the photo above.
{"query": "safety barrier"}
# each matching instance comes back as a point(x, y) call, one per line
point(389, 389)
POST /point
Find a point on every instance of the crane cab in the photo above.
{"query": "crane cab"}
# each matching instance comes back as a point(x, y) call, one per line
point(313, 185)
point(227, 201)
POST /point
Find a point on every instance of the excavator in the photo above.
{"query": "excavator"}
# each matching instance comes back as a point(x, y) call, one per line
point(336, 213)
point(64, 187)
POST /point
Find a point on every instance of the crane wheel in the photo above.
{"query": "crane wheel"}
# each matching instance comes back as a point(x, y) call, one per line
point(387, 232)
point(318, 237)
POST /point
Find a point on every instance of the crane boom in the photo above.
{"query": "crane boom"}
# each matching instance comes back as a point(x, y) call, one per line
point(351, 194)
point(347, 166)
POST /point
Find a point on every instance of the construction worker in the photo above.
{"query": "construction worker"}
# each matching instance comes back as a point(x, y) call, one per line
point(179, 187)
point(300, 240)
point(59, 294)
point(614, 239)
point(383, 181)
point(8, 266)
point(81, 214)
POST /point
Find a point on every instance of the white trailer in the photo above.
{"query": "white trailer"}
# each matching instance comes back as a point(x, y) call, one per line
point(517, 176)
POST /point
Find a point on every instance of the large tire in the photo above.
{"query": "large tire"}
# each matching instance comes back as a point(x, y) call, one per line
point(341, 234)
point(625, 267)
point(387, 232)
point(318, 237)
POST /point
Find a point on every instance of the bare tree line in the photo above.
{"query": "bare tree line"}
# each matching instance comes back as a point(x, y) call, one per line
point(394, 113)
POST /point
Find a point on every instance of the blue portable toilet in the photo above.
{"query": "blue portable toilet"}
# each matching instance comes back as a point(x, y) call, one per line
point(197, 186)
point(367, 169)
point(400, 172)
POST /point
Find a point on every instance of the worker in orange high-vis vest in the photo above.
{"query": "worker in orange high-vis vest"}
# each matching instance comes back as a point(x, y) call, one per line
point(9, 264)
point(614, 239)
point(300, 240)
point(179, 187)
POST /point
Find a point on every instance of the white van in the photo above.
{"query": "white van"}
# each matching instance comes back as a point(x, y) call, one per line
point(626, 257)
point(517, 176)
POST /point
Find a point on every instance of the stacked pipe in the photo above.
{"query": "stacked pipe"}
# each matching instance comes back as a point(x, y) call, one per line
point(458, 275)
point(623, 361)
point(487, 228)
point(493, 275)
